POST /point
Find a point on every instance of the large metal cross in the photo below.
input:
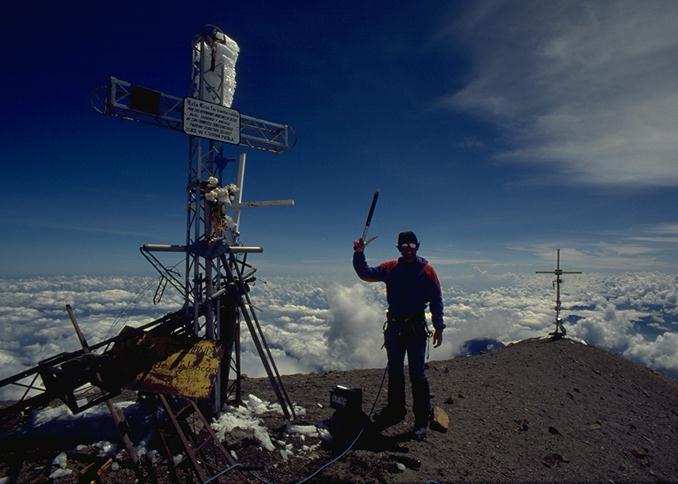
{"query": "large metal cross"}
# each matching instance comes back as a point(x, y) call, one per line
point(215, 261)
point(558, 272)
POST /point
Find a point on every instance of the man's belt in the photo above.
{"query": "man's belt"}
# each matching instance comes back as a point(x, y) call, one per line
point(407, 326)
point(413, 318)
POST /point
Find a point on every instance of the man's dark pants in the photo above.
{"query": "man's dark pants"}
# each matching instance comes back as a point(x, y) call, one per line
point(400, 338)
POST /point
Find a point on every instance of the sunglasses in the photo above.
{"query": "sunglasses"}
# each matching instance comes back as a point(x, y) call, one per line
point(411, 245)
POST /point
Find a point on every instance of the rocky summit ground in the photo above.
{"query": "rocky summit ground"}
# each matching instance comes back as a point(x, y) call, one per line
point(533, 411)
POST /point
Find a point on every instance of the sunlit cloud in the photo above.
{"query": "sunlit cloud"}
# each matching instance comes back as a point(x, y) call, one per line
point(315, 325)
point(590, 89)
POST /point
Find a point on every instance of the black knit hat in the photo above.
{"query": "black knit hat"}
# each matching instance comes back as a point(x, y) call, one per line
point(407, 237)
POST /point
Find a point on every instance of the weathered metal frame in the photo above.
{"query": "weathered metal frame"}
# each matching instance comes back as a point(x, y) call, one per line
point(206, 276)
point(255, 133)
point(170, 322)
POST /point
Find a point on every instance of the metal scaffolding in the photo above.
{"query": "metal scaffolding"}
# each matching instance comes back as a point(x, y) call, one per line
point(217, 276)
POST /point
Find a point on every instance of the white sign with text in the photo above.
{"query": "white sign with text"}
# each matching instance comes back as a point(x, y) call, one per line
point(211, 121)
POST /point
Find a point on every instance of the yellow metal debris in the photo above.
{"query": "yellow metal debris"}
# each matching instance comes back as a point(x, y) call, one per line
point(186, 371)
point(168, 364)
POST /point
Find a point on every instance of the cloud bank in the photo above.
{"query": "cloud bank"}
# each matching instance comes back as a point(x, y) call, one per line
point(315, 325)
point(590, 87)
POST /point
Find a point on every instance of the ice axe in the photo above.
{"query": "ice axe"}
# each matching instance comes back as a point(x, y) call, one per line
point(369, 219)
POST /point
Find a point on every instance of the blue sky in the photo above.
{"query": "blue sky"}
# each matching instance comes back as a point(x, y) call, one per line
point(496, 130)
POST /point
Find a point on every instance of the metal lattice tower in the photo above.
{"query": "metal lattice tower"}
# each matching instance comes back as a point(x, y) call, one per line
point(205, 159)
point(217, 279)
point(560, 329)
point(215, 295)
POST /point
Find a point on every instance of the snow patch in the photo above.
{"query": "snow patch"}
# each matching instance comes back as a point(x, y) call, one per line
point(60, 473)
point(307, 431)
point(62, 414)
point(153, 456)
point(258, 406)
point(245, 417)
point(242, 418)
point(60, 462)
point(286, 452)
point(105, 448)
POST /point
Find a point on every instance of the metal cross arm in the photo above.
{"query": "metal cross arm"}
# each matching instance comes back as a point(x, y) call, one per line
point(558, 271)
point(288, 202)
point(124, 100)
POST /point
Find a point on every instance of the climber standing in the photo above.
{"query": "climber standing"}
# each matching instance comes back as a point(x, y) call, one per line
point(411, 284)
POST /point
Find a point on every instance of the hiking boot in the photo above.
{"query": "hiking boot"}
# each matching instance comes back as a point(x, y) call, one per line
point(419, 433)
point(387, 417)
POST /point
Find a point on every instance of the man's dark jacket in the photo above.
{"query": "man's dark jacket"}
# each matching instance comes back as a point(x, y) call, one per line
point(410, 286)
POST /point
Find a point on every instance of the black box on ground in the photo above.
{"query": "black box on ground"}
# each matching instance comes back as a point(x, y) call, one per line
point(345, 398)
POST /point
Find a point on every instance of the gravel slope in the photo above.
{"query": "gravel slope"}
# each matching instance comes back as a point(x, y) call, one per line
point(535, 410)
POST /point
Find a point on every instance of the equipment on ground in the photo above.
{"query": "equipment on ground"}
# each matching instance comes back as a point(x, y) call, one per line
point(345, 398)
point(366, 428)
point(559, 332)
point(348, 419)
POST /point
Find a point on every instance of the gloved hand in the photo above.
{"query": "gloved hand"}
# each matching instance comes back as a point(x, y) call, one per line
point(359, 245)
point(437, 337)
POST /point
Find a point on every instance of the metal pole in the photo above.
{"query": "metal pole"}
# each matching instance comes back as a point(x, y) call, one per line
point(558, 272)
point(118, 416)
point(241, 188)
point(81, 337)
point(205, 157)
point(259, 341)
point(238, 386)
point(228, 318)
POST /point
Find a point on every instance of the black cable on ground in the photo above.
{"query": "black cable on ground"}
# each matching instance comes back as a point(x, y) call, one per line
point(222, 472)
point(353, 442)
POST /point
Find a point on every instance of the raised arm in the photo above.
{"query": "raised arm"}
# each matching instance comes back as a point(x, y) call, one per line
point(365, 272)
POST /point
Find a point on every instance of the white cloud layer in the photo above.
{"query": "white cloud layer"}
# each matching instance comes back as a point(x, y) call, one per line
point(589, 86)
point(312, 325)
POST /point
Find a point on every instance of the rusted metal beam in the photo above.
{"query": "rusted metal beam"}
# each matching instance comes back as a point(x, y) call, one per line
point(117, 415)
point(169, 323)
